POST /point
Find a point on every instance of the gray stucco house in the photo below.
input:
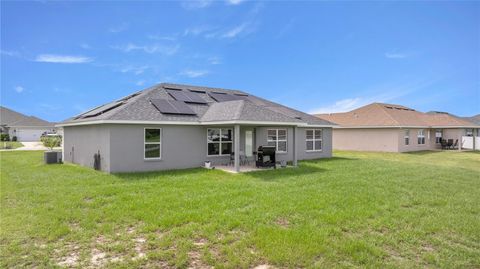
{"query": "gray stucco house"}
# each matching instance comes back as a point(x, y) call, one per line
point(171, 126)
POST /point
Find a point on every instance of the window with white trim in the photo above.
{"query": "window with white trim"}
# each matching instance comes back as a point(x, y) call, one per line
point(152, 143)
point(406, 137)
point(421, 137)
point(278, 139)
point(219, 141)
point(469, 132)
point(438, 136)
point(313, 139)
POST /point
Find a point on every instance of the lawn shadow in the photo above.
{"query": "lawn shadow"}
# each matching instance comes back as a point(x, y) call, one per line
point(132, 176)
point(289, 172)
point(305, 167)
point(423, 152)
point(332, 159)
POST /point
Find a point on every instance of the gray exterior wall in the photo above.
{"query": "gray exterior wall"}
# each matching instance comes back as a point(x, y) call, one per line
point(80, 143)
point(326, 145)
point(122, 146)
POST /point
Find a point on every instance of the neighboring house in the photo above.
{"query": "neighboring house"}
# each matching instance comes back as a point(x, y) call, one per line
point(474, 119)
point(172, 126)
point(395, 128)
point(25, 128)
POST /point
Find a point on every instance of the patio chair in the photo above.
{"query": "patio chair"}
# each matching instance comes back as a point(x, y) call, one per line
point(443, 142)
point(455, 145)
point(449, 143)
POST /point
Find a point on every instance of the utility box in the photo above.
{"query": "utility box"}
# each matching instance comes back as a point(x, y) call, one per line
point(50, 157)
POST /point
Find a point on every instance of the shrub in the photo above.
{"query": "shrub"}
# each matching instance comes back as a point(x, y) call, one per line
point(14, 138)
point(51, 141)
point(4, 137)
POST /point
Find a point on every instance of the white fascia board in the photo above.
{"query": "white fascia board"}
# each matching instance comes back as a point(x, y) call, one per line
point(456, 127)
point(34, 127)
point(378, 127)
point(96, 122)
point(404, 127)
point(272, 123)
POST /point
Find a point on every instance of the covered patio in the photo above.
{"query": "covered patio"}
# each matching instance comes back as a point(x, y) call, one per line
point(242, 152)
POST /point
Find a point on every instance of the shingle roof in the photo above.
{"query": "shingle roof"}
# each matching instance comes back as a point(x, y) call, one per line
point(249, 108)
point(382, 115)
point(475, 119)
point(12, 118)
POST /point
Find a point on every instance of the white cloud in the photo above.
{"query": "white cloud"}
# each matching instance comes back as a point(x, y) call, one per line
point(235, 31)
point(154, 48)
point(234, 2)
point(163, 37)
point(140, 83)
point(385, 93)
point(395, 55)
point(10, 53)
point(137, 70)
point(196, 4)
point(340, 106)
point(286, 28)
point(214, 60)
point(197, 30)
point(19, 89)
point(119, 28)
point(65, 59)
point(194, 73)
point(85, 46)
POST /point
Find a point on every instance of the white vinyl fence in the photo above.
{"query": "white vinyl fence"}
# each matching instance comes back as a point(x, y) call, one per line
point(467, 142)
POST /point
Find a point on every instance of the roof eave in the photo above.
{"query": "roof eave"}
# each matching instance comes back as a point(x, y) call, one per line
point(404, 126)
point(241, 122)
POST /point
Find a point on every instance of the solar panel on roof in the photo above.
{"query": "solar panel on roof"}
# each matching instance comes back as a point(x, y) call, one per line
point(102, 109)
point(130, 96)
point(198, 91)
point(172, 107)
point(195, 98)
point(188, 97)
point(224, 97)
point(220, 97)
point(172, 88)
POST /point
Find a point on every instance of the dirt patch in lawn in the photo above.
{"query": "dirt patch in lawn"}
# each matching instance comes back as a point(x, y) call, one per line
point(282, 222)
point(71, 259)
point(140, 248)
point(264, 266)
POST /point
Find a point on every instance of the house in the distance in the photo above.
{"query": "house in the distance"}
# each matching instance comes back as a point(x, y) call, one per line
point(25, 128)
point(396, 128)
point(172, 126)
point(474, 119)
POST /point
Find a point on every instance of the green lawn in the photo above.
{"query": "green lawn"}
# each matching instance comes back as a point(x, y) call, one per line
point(355, 210)
point(10, 144)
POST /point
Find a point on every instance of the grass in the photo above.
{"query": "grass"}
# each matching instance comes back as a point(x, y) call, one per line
point(10, 145)
point(355, 210)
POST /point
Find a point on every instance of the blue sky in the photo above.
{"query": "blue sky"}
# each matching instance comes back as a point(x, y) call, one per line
point(61, 58)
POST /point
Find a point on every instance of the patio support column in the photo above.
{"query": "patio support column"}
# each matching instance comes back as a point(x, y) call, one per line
point(460, 142)
point(236, 147)
point(295, 147)
point(474, 132)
